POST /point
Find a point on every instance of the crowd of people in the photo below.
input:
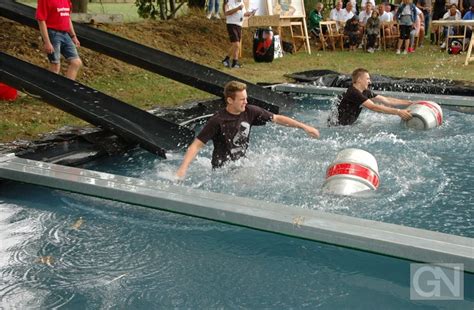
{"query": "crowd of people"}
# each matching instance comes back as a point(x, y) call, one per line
point(372, 21)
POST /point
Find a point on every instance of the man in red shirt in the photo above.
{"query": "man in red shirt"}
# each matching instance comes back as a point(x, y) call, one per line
point(57, 31)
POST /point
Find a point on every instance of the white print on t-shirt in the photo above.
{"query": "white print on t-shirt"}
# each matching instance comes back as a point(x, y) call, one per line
point(241, 138)
point(63, 11)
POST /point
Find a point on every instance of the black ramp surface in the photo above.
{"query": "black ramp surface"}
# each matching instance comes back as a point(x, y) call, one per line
point(184, 71)
point(132, 124)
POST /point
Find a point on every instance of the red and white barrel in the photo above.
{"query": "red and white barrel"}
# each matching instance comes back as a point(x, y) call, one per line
point(426, 115)
point(352, 171)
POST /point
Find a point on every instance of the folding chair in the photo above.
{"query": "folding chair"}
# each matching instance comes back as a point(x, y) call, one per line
point(332, 36)
point(391, 32)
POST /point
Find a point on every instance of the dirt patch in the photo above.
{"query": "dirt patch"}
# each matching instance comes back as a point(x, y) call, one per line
point(192, 37)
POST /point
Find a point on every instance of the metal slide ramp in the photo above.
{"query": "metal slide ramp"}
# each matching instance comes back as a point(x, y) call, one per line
point(132, 124)
point(377, 237)
point(184, 71)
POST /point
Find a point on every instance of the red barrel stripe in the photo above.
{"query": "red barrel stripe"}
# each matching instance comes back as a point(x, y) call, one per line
point(355, 170)
point(439, 118)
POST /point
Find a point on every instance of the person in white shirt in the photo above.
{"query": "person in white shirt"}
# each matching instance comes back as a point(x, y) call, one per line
point(364, 15)
point(336, 13)
point(364, 3)
point(383, 16)
point(354, 6)
point(347, 13)
point(452, 14)
point(388, 9)
point(234, 11)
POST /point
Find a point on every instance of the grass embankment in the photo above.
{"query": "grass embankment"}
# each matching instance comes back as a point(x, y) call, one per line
point(203, 41)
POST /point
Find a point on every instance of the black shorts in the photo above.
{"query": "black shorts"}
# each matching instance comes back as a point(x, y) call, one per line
point(235, 32)
point(405, 32)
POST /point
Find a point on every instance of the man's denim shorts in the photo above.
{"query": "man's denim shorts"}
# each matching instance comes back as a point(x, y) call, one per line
point(62, 44)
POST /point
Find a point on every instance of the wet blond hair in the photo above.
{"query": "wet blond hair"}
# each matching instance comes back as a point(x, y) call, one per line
point(233, 87)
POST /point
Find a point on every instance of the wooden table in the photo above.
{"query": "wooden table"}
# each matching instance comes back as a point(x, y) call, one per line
point(462, 23)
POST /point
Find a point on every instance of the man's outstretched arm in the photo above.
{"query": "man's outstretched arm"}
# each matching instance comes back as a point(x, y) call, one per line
point(391, 101)
point(404, 114)
point(191, 153)
point(289, 122)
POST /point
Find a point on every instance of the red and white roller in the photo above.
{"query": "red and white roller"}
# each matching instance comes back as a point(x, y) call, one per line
point(426, 115)
point(352, 171)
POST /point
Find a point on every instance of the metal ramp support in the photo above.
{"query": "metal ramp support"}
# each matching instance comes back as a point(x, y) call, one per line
point(153, 133)
point(377, 237)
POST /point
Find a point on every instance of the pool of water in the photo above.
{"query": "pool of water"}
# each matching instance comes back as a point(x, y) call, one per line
point(426, 177)
point(64, 250)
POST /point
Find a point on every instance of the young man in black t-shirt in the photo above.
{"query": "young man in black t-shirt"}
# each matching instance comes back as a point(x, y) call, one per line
point(359, 95)
point(229, 129)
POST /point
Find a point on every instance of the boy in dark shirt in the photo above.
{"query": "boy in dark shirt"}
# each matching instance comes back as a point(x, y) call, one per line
point(229, 129)
point(359, 95)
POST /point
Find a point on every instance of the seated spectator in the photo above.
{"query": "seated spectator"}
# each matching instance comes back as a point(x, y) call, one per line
point(352, 30)
point(383, 15)
point(364, 3)
point(347, 12)
point(439, 10)
point(354, 6)
point(372, 29)
point(452, 14)
point(315, 17)
point(364, 15)
point(336, 12)
point(469, 16)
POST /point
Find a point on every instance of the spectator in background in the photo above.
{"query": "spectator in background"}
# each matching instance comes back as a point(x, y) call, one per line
point(336, 12)
point(388, 9)
point(234, 11)
point(452, 14)
point(315, 17)
point(384, 16)
point(352, 30)
point(364, 3)
point(59, 37)
point(347, 12)
point(425, 7)
point(213, 9)
point(439, 9)
point(406, 17)
point(372, 29)
point(469, 16)
point(355, 9)
point(364, 15)
point(417, 31)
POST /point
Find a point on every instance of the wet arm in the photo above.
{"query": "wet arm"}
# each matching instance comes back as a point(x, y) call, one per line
point(289, 122)
point(391, 101)
point(369, 104)
point(191, 153)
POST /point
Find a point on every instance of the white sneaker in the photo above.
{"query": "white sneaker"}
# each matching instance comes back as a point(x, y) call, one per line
point(217, 16)
point(397, 52)
point(443, 45)
point(209, 16)
point(405, 52)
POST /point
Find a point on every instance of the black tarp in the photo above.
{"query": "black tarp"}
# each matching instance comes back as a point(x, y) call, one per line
point(330, 78)
point(155, 134)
